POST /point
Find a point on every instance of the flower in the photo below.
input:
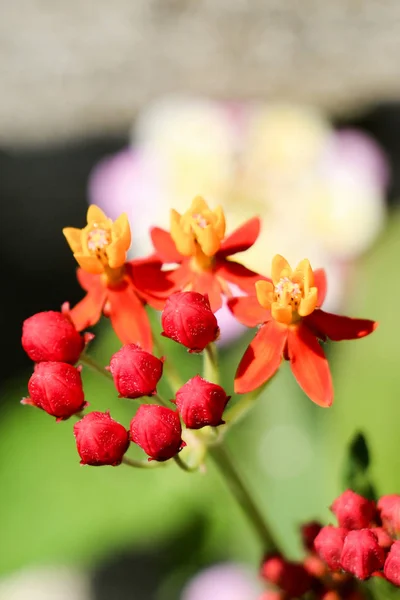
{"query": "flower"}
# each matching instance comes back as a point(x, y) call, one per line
point(291, 577)
point(157, 430)
point(329, 545)
point(353, 511)
point(100, 440)
point(197, 244)
point(361, 553)
point(292, 323)
point(201, 403)
point(135, 371)
point(115, 287)
point(309, 532)
point(56, 388)
point(51, 336)
point(223, 581)
point(187, 319)
point(392, 564)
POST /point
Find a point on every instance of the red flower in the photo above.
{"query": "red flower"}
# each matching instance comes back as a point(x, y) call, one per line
point(135, 371)
point(188, 319)
point(51, 336)
point(389, 511)
point(100, 440)
point(114, 287)
point(56, 388)
point(361, 554)
point(292, 324)
point(392, 564)
point(329, 544)
point(353, 511)
point(197, 244)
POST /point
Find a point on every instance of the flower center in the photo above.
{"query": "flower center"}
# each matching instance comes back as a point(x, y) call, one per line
point(97, 239)
point(200, 220)
point(288, 293)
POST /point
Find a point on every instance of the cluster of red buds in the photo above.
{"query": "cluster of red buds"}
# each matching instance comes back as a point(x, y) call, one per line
point(365, 544)
point(52, 341)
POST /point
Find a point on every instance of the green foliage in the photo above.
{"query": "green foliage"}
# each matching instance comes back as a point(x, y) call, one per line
point(356, 474)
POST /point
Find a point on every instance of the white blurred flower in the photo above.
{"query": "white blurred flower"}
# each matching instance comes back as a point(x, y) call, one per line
point(226, 581)
point(45, 583)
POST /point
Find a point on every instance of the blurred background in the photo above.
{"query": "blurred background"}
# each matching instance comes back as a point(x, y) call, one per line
point(284, 110)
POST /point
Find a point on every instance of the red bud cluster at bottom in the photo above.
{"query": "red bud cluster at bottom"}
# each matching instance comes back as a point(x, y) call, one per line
point(339, 557)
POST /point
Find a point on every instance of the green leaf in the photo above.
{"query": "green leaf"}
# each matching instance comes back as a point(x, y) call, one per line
point(356, 468)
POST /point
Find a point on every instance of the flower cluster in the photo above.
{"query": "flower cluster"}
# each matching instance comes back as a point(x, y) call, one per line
point(365, 544)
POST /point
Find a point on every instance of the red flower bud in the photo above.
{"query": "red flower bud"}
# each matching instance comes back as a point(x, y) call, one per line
point(188, 319)
point(291, 577)
point(51, 336)
point(315, 566)
point(361, 554)
point(56, 387)
point(157, 430)
point(201, 403)
point(100, 440)
point(353, 511)
point(329, 544)
point(384, 539)
point(273, 595)
point(135, 371)
point(309, 532)
point(389, 510)
point(392, 564)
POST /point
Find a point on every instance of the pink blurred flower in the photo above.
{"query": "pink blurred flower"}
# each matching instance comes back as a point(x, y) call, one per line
point(226, 581)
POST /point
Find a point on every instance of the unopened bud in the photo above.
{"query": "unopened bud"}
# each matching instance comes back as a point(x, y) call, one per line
point(201, 403)
point(329, 544)
point(361, 554)
point(51, 336)
point(56, 388)
point(188, 319)
point(135, 371)
point(100, 440)
point(353, 511)
point(158, 431)
point(309, 532)
point(389, 510)
point(392, 564)
point(291, 577)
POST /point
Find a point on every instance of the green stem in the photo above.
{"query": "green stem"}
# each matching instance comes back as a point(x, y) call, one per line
point(210, 363)
point(142, 464)
point(182, 465)
point(240, 491)
point(94, 366)
point(237, 412)
point(161, 400)
point(175, 381)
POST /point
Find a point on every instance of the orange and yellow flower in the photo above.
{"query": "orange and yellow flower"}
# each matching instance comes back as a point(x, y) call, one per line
point(197, 244)
point(292, 324)
point(114, 286)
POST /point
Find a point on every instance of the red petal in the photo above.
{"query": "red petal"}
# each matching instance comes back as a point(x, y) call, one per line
point(238, 274)
point(337, 327)
point(262, 358)
point(247, 310)
point(321, 284)
point(165, 246)
point(88, 311)
point(207, 283)
point(128, 316)
point(152, 283)
point(309, 365)
point(241, 239)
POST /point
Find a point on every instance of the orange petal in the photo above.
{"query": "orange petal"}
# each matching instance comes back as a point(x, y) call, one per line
point(309, 365)
point(184, 241)
point(198, 206)
point(207, 284)
point(88, 311)
point(337, 327)
point(248, 311)
point(121, 231)
point(282, 314)
point(265, 293)
point(95, 215)
point(128, 316)
point(89, 263)
point(165, 246)
point(304, 274)
point(308, 304)
point(151, 283)
point(321, 284)
point(241, 239)
point(262, 358)
point(73, 237)
point(280, 268)
point(238, 274)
